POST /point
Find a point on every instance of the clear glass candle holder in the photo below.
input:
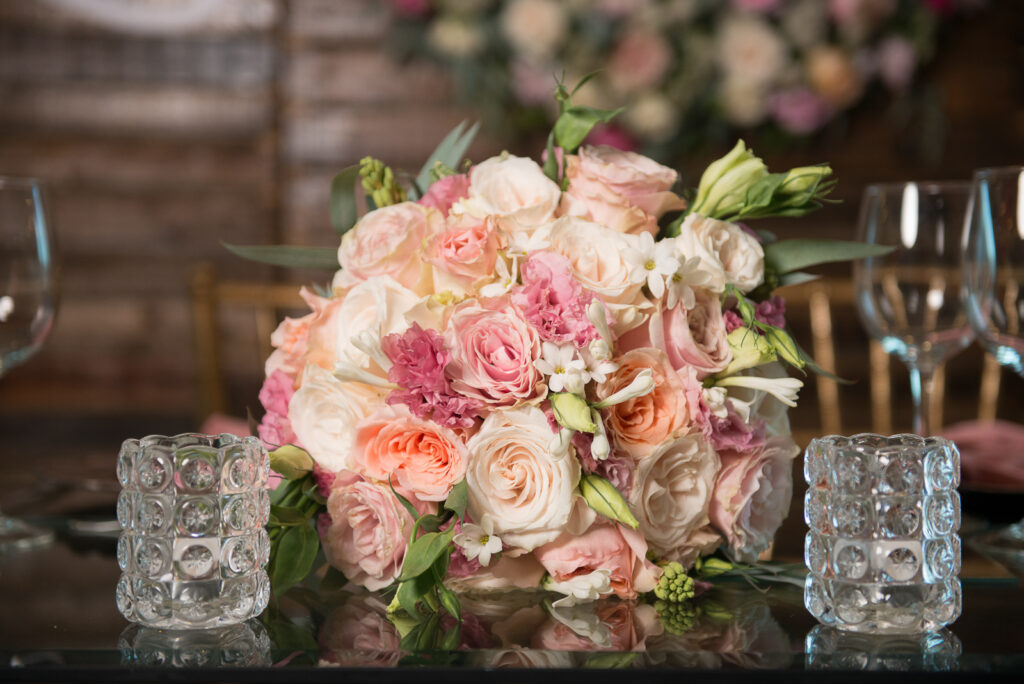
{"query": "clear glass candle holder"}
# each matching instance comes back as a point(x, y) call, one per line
point(882, 550)
point(193, 547)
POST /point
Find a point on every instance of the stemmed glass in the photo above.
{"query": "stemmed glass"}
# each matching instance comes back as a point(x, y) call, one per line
point(993, 294)
point(909, 299)
point(28, 297)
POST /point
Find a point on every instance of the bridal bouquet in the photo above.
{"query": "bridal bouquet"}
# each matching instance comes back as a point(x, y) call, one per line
point(561, 375)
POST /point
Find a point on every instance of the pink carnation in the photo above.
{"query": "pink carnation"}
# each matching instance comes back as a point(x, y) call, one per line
point(418, 358)
point(275, 429)
point(553, 302)
point(445, 192)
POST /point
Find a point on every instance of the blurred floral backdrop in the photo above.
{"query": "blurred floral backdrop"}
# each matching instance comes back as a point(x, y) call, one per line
point(690, 72)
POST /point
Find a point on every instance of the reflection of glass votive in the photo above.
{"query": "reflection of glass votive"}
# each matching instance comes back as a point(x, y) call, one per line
point(241, 645)
point(883, 549)
point(828, 648)
point(193, 547)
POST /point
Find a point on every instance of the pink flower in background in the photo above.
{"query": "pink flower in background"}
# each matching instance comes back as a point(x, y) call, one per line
point(418, 358)
point(275, 429)
point(553, 301)
point(445, 192)
point(799, 110)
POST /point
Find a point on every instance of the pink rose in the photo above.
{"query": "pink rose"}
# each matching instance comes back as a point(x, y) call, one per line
point(628, 627)
point(640, 424)
point(445, 192)
point(275, 429)
point(424, 457)
point(602, 547)
point(752, 495)
point(387, 241)
point(359, 634)
point(493, 350)
point(366, 531)
point(694, 338)
point(465, 253)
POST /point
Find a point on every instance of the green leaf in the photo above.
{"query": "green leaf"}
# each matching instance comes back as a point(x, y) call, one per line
point(289, 256)
point(606, 500)
point(449, 152)
point(296, 551)
point(423, 552)
point(572, 411)
point(286, 516)
point(291, 462)
point(575, 124)
point(344, 210)
point(457, 499)
point(787, 256)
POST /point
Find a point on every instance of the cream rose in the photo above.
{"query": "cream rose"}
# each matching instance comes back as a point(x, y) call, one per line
point(513, 189)
point(324, 412)
point(672, 494)
point(387, 241)
point(595, 254)
point(735, 251)
point(513, 478)
point(752, 495)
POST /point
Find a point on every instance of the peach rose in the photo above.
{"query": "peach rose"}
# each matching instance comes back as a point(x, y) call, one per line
point(512, 189)
point(671, 496)
point(387, 241)
point(640, 424)
point(368, 531)
point(513, 479)
point(752, 495)
point(359, 634)
point(493, 350)
point(466, 253)
point(424, 457)
point(621, 626)
point(604, 546)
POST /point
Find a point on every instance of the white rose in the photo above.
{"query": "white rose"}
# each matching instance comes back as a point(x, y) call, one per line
point(514, 189)
point(595, 254)
point(535, 28)
point(377, 306)
point(725, 246)
point(672, 493)
point(512, 478)
point(324, 412)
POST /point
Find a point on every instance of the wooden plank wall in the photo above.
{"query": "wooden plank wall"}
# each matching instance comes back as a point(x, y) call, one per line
point(160, 144)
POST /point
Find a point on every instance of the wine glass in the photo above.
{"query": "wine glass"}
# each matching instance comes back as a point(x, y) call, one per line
point(909, 299)
point(28, 296)
point(993, 294)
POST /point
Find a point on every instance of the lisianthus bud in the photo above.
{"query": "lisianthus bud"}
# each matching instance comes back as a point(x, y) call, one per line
point(723, 186)
point(749, 349)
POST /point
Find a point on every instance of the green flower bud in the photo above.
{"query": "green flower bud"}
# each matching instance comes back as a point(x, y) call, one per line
point(572, 411)
point(749, 349)
point(291, 462)
point(606, 500)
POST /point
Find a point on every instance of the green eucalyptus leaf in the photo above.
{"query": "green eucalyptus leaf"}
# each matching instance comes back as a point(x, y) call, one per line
point(787, 256)
point(296, 550)
point(344, 209)
point(449, 152)
point(290, 256)
point(457, 499)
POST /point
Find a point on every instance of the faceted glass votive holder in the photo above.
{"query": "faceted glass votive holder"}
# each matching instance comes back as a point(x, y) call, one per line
point(193, 546)
point(883, 550)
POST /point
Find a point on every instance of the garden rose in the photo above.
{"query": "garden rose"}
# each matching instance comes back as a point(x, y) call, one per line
point(513, 189)
point(752, 495)
point(324, 412)
point(723, 245)
point(387, 241)
point(465, 253)
point(640, 424)
point(424, 457)
point(367, 533)
point(512, 478)
point(671, 497)
point(493, 349)
point(605, 546)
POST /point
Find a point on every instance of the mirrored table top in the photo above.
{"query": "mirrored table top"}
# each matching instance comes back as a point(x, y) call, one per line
point(58, 622)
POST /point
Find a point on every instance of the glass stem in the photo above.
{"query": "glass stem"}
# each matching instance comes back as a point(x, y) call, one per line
point(922, 382)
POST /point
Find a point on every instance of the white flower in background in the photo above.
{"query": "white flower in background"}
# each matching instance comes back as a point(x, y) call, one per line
point(535, 28)
point(690, 274)
point(580, 589)
point(564, 368)
point(651, 263)
point(479, 541)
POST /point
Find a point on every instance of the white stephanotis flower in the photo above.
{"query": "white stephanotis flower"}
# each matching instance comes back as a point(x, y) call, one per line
point(479, 541)
point(690, 274)
point(580, 589)
point(651, 264)
point(565, 371)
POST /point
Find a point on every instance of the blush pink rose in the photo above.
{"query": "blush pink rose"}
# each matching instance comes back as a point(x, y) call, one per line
point(445, 192)
point(365, 532)
point(465, 253)
point(387, 242)
point(691, 338)
point(424, 457)
point(602, 547)
point(493, 349)
point(640, 424)
point(752, 494)
point(629, 625)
